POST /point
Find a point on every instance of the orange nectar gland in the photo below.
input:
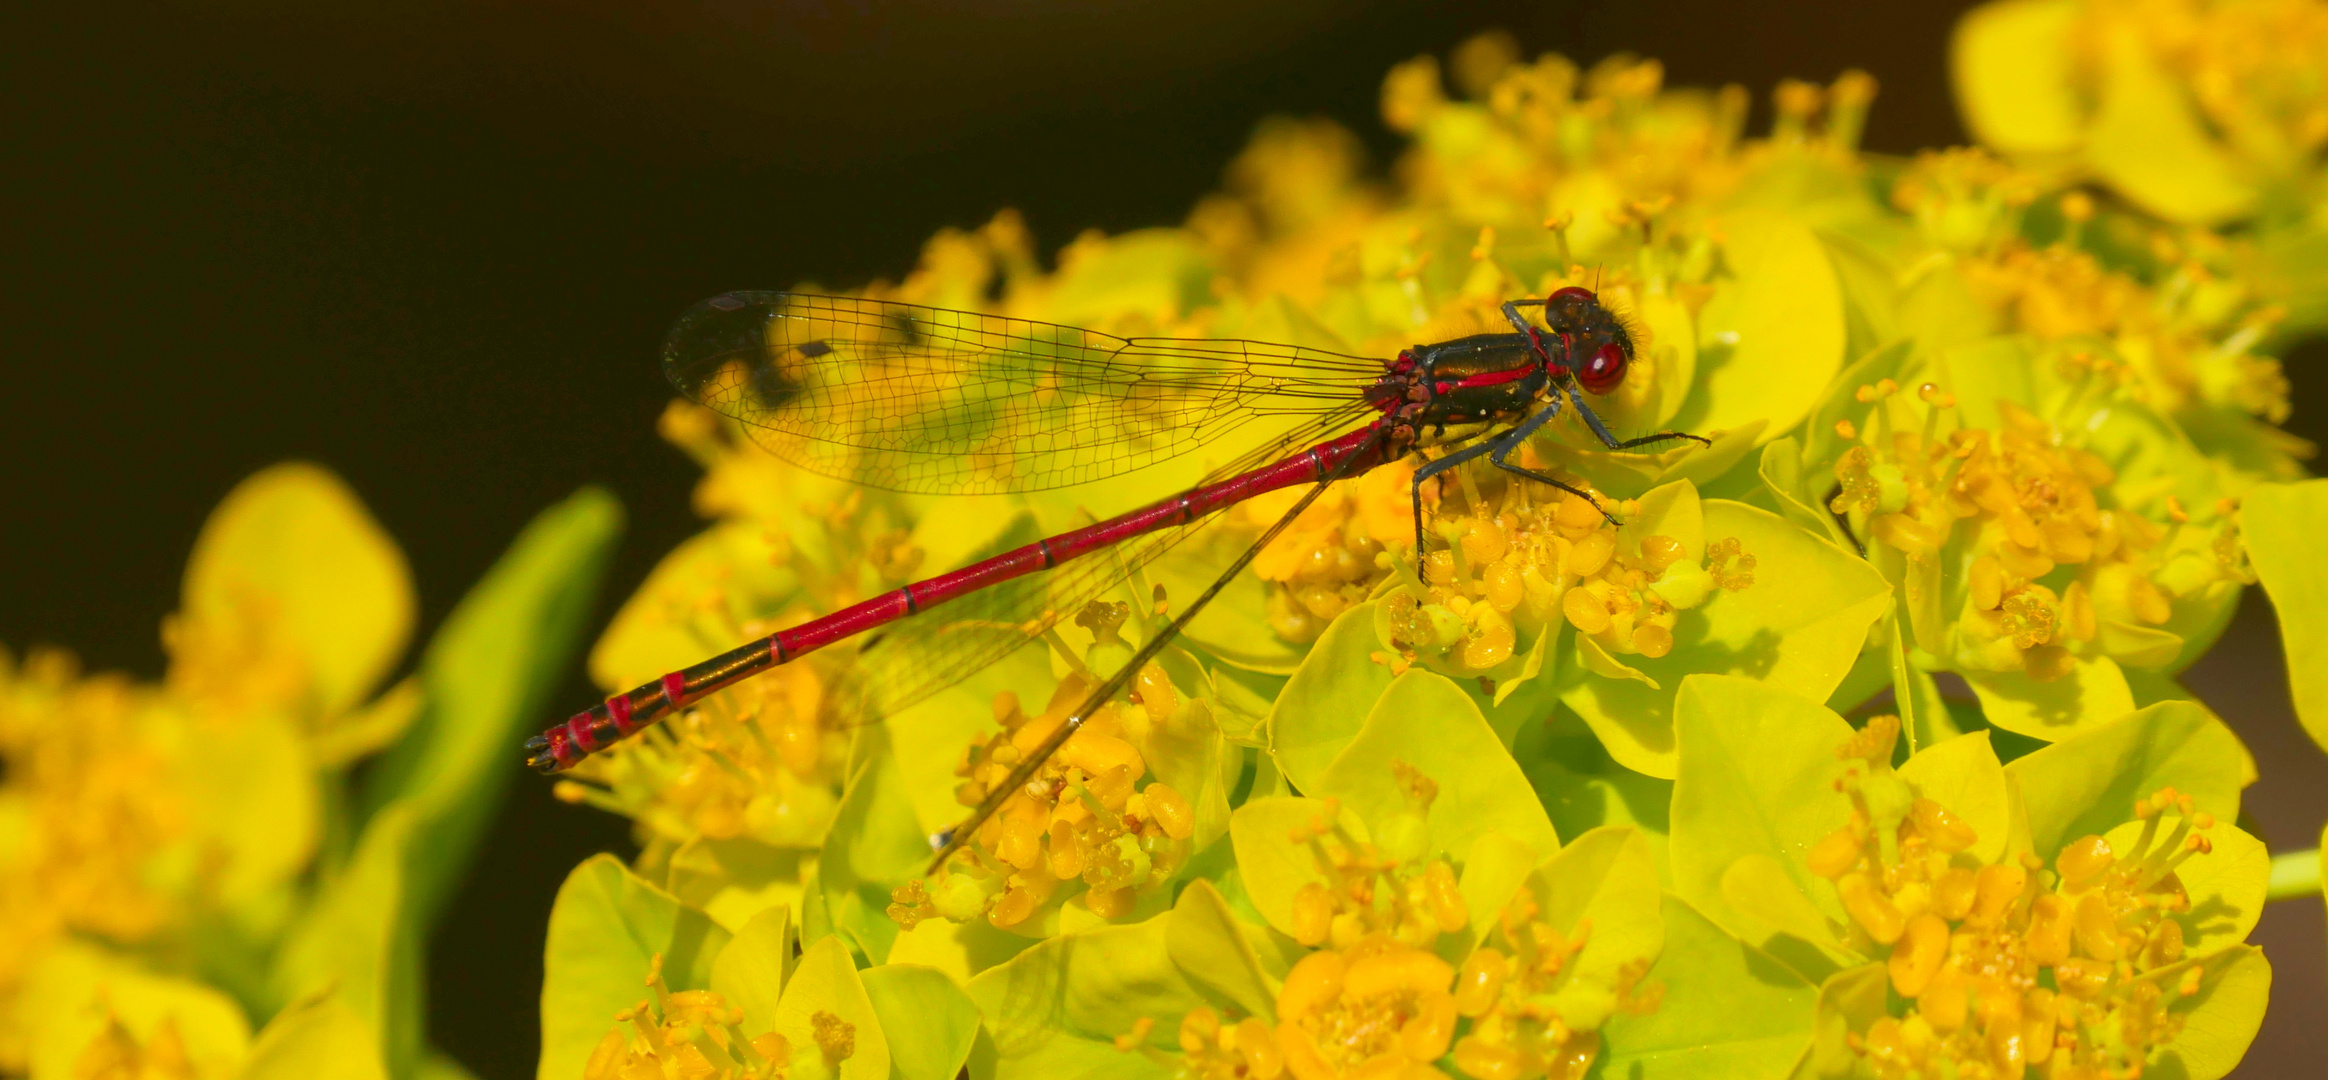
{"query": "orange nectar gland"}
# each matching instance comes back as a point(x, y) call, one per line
point(1077, 818)
point(1331, 558)
point(1968, 943)
point(695, 1035)
point(1515, 564)
point(2033, 503)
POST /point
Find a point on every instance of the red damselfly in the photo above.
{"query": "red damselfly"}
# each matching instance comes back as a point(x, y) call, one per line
point(928, 400)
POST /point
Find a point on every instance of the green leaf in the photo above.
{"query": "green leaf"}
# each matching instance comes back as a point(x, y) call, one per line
point(1583, 788)
point(70, 989)
point(928, 1019)
point(2093, 692)
point(2086, 785)
point(1771, 335)
point(1781, 470)
point(2220, 1021)
point(358, 944)
point(826, 984)
point(605, 929)
point(292, 554)
point(1770, 907)
point(317, 1039)
point(752, 970)
point(1758, 769)
point(1270, 864)
point(1429, 723)
point(1729, 1010)
point(1327, 699)
point(2226, 885)
point(2282, 524)
point(875, 845)
point(489, 675)
point(1212, 952)
point(1964, 776)
point(1798, 628)
point(1055, 1010)
point(2015, 74)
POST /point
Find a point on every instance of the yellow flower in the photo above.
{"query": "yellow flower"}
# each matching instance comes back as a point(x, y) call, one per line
point(1973, 945)
point(2011, 506)
point(132, 812)
point(1084, 817)
point(697, 1035)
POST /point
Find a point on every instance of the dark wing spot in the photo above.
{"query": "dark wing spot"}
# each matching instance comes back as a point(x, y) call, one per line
point(815, 349)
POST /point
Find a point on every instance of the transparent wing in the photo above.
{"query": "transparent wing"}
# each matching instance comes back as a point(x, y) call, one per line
point(916, 657)
point(922, 399)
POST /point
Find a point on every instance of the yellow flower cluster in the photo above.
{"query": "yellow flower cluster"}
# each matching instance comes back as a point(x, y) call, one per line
point(1520, 562)
point(2184, 340)
point(1079, 818)
point(116, 1054)
point(2033, 503)
point(1331, 558)
point(1972, 943)
point(1519, 1030)
point(98, 795)
point(2254, 67)
point(764, 758)
point(697, 1035)
point(1376, 1000)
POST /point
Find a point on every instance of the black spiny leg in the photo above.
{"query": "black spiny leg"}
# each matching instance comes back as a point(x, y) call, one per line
point(1494, 450)
point(1601, 430)
point(1503, 449)
point(1430, 469)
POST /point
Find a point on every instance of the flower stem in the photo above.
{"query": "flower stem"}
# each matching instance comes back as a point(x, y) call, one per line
point(2294, 874)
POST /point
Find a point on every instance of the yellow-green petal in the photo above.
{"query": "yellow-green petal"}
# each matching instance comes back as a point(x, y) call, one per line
point(1424, 720)
point(605, 928)
point(1772, 336)
point(2087, 784)
point(1056, 1009)
point(1730, 1010)
point(822, 986)
point(1799, 628)
point(2015, 76)
point(316, 1039)
point(292, 554)
point(71, 988)
point(2283, 524)
point(927, 1018)
point(1757, 775)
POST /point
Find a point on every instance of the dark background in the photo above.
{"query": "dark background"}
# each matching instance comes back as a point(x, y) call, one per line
point(433, 246)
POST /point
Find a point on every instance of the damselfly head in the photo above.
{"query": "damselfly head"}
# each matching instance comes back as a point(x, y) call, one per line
point(1599, 347)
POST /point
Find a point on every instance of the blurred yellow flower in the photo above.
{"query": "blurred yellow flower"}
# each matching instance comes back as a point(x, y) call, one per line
point(134, 814)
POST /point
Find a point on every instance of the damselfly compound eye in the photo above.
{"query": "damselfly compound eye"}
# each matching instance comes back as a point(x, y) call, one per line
point(1604, 370)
